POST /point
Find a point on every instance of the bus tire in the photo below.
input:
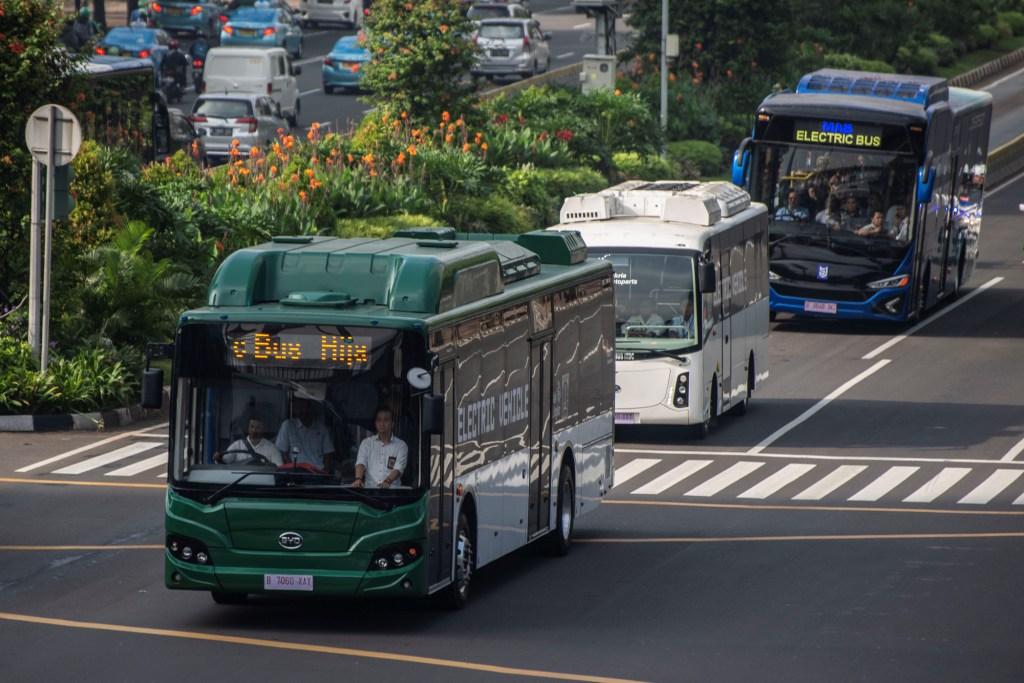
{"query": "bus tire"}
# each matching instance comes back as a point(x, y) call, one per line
point(704, 428)
point(559, 540)
point(457, 594)
point(741, 407)
point(959, 282)
point(226, 598)
point(771, 316)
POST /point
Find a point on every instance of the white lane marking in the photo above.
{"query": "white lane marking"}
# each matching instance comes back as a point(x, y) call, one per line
point(308, 92)
point(893, 477)
point(672, 477)
point(633, 468)
point(1002, 80)
point(314, 34)
point(585, 24)
point(991, 487)
point(325, 124)
point(830, 483)
point(724, 479)
point(564, 55)
point(367, 112)
point(938, 485)
point(163, 475)
point(813, 456)
point(809, 413)
point(787, 475)
point(304, 62)
point(1006, 183)
point(1014, 452)
point(158, 460)
point(107, 458)
point(89, 447)
point(931, 318)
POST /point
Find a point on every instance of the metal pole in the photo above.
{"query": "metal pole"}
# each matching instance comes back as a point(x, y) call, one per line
point(33, 265)
point(44, 346)
point(664, 65)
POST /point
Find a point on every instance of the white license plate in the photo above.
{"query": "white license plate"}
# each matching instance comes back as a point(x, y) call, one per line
point(819, 307)
point(499, 53)
point(627, 418)
point(287, 582)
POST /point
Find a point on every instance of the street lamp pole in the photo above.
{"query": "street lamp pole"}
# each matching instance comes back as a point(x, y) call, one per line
point(664, 65)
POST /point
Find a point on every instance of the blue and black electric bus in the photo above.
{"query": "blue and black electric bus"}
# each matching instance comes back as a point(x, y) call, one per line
point(874, 184)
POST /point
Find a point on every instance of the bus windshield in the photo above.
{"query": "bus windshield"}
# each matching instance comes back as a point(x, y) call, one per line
point(837, 199)
point(655, 298)
point(280, 401)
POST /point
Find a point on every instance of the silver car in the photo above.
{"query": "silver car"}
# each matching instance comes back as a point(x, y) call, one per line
point(219, 120)
point(511, 47)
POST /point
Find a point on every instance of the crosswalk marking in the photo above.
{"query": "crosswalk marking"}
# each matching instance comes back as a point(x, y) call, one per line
point(633, 468)
point(725, 479)
point(106, 458)
point(672, 477)
point(938, 485)
point(892, 478)
point(991, 487)
point(787, 475)
point(831, 482)
point(158, 460)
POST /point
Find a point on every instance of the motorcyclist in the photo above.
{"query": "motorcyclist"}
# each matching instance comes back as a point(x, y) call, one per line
point(84, 30)
point(140, 19)
point(199, 48)
point(175, 66)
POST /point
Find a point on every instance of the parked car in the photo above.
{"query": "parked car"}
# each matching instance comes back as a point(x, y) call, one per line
point(511, 47)
point(347, 12)
point(191, 17)
point(125, 41)
point(219, 120)
point(343, 67)
point(262, 27)
point(254, 71)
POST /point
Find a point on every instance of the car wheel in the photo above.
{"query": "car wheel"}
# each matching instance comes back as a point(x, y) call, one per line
point(298, 53)
point(328, 89)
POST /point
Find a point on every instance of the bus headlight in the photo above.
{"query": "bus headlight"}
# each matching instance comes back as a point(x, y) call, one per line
point(395, 556)
point(773, 276)
point(188, 550)
point(681, 396)
point(897, 281)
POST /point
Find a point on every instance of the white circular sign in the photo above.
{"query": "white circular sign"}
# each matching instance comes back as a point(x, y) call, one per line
point(52, 122)
point(419, 378)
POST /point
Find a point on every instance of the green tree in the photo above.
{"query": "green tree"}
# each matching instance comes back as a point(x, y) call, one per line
point(420, 58)
point(32, 71)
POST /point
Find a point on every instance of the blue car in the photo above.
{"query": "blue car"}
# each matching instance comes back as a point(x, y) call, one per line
point(144, 43)
point(263, 27)
point(343, 67)
point(197, 18)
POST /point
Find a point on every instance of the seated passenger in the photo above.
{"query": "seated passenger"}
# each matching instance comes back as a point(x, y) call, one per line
point(792, 211)
point(899, 226)
point(305, 439)
point(875, 228)
point(830, 215)
point(683, 325)
point(646, 317)
point(249, 447)
point(850, 217)
point(382, 457)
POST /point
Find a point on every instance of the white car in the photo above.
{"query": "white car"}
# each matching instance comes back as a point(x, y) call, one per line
point(254, 71)
point(511, 47)
point(219, 120)
point(347, 12)
point(497, 10)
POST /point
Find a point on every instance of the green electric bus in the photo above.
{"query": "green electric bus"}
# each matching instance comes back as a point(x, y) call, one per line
point(496, 357)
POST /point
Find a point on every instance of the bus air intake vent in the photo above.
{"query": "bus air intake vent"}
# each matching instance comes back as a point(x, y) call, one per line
point(555, 247)
point(587, 207)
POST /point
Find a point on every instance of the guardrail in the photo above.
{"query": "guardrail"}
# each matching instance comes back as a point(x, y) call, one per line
point(988, 69)
point(563, 75)
point(1005, 162)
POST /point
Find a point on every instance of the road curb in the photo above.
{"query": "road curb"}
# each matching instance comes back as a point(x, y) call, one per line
point(97, 421)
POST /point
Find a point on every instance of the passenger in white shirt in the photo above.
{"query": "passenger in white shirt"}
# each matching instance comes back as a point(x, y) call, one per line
point(248, 447)
point(382, 457)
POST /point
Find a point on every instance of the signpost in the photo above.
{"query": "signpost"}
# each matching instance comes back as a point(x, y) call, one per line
point(53, 136)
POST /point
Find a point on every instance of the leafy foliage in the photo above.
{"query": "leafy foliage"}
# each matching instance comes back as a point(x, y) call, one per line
point(703, 157)
point(633, 166)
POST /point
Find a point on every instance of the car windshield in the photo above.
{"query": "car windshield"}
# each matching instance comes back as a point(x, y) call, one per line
point(478, 13)
point(130, 36)
point(655, 297)
point(280, 400)
point(506, 31)
point(256, 15)
point(844, 198)
point(223, 109)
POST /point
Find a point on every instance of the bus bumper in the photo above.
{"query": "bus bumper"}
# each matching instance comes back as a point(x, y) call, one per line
point(886, 304)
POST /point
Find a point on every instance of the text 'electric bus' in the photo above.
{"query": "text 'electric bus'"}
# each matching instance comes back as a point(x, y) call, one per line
point(383, 417)
point(691, 292)
point(874, 187)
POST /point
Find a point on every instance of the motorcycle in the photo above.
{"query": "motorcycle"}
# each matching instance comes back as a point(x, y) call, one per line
point(172, 85)
point(197, 73)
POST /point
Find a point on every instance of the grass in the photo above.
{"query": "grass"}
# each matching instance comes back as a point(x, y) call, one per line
point(972, 60)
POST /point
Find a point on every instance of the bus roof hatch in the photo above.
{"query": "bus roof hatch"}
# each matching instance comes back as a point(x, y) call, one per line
point(683, 202)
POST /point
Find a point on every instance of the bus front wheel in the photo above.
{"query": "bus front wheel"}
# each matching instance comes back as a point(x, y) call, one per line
point(705, 427)
point(457, 594)
point(559, 540)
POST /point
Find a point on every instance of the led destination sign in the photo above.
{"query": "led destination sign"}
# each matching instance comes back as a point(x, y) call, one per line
point(838, 133)
point(300, 349)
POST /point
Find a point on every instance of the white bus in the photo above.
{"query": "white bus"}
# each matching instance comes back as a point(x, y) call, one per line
point(691, 288)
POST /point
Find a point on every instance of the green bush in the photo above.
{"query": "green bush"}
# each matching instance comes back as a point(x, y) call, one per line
point(492, 213)
point(917, 59)
point(986, 35)
point(844, 60)
point(381, 226)
point(943, 47)
point(688, 154)
point(1013, 19)
point(542, 190)
point(633, 166)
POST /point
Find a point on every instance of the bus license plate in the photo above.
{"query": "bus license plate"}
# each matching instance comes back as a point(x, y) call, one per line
point(287, 582)
point(819, 307)
point(627, 418)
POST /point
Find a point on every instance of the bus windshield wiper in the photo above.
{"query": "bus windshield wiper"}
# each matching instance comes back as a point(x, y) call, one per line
point(222, 491)
point(374, 500)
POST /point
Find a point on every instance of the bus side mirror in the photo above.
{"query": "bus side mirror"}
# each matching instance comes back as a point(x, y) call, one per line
point(925, 181)
point(707, 278)
point(152, 388)
point(740, 162)
point(433, 414)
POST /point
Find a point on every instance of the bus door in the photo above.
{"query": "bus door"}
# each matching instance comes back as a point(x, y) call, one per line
point(540, 436)
point(725, 303)
point(441, 509)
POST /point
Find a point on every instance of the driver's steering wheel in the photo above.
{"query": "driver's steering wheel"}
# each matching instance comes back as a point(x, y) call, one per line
point(254, 458)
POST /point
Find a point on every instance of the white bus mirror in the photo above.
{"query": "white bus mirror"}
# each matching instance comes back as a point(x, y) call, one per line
point(707, 277)
point(418, 379)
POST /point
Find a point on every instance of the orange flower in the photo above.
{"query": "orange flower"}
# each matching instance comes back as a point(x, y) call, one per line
point(273, 170)
point(349, 157)
point(368, 159)
point(315, 184)
point(235, 142)
point(411, 149)
point(451, 127)
point(404, 115)
point(315, 126)
point(484, 147)
point(254, 151)
point(446, 117)
point(443, 28)
point(478, 138)
point(260, 178)
point(302, 195)
point(281, 186)
point(309, 173)
point(617, 92)
point(449, 138)
point(671, 77)
point(294, 178)
point(400, 159)
point(280, 132)
point(459, 122)
point(289, 141)
point(244, 171)
point(466, 146)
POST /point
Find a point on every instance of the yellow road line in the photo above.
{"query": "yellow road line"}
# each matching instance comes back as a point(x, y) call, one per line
point(815, 508)
point(820, 537)
point(309, 647)
point(26, 548)
point(69, 482)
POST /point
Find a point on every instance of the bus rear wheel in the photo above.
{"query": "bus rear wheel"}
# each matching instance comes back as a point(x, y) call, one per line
point(457, 594)
point(559, 540)
point(225, 598)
